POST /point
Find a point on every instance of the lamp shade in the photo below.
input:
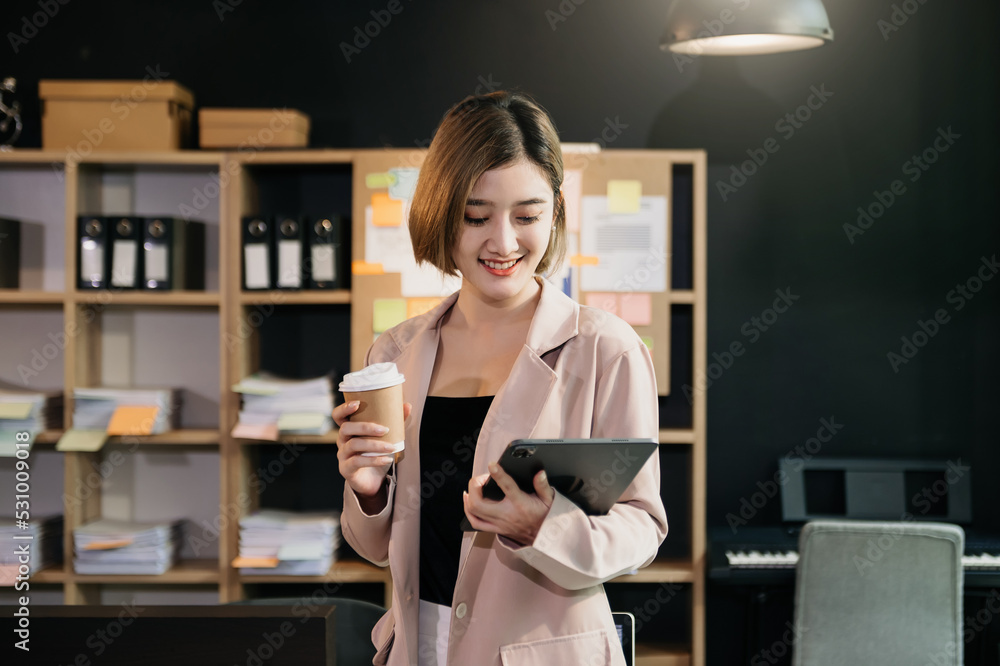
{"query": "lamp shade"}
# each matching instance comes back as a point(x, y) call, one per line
point(745, 27)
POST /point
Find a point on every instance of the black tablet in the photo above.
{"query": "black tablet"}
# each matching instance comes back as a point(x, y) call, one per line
point(593, 473)
point(625, 624)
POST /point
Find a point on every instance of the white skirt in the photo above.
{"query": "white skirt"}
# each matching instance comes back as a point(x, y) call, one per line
point(433, 627)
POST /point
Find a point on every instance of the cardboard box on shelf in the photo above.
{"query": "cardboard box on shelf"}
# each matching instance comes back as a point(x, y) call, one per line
point(86, 116)
point(255, 128)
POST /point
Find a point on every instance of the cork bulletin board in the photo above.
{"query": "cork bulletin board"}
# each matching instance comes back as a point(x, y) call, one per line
point(618, 244)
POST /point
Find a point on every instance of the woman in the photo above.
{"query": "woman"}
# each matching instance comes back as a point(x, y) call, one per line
point(507, 357)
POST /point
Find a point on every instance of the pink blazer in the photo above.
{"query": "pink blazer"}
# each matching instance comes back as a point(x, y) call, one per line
point(582, 373)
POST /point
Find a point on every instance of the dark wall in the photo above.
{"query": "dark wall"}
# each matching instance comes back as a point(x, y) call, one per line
point(885, 96)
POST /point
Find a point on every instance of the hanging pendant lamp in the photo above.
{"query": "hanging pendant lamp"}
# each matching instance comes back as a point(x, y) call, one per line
point(745, 27)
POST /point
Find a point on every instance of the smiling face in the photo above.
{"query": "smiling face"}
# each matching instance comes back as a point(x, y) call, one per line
point(504, 234)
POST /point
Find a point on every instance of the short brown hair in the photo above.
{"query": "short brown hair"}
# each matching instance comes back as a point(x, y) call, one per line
point(478, 134)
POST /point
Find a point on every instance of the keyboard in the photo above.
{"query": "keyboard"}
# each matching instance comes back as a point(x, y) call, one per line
point(768, 555)
point(787, 559)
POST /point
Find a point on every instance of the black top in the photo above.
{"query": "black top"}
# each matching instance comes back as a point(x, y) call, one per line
point(448, 433)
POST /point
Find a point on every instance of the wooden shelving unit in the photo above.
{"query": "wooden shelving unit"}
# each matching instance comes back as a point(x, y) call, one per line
point(32, 297)
point(101, 322)
point(662, 571)
point(48, 191)
point(51, 575)
point(146, 298)
point(662, 655)
point(677, 436)
point(335, 297)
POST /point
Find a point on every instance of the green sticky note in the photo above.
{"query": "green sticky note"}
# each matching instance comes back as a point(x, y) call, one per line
point(8, 442)
point(301, 421)
point(15, 410)
point(648, 341)
point(624, 196)
point(373, 181)
point(76, 439)
point(387, 313)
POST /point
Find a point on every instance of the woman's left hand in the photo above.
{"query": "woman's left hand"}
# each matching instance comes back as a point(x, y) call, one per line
point(518, 516)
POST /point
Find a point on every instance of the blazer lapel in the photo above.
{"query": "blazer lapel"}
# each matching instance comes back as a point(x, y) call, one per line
point(516, 408)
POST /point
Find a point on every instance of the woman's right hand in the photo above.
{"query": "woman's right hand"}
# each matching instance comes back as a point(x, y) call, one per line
point(365, 474)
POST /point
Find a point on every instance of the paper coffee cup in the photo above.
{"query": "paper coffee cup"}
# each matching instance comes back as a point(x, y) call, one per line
point(379, 389)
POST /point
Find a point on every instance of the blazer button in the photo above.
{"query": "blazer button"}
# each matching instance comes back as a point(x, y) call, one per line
point(461, 610)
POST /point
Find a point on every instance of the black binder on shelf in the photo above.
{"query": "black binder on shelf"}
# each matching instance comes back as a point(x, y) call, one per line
point(329, 247)
point(10, 253)
point(290, 252)
point(173, 254)
point(92, 252)
point(125, 248)
point(257, 255)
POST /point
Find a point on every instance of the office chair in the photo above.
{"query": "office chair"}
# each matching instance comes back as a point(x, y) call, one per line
point(886, 593)
point(353, 622)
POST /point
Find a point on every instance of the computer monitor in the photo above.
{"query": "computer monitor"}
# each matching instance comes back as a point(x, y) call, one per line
point(875, 489)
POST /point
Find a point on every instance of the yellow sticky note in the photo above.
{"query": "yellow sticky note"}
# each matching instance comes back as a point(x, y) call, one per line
point(603, 300)
point(374, 181)
point(386, 212)
point(636, 309)
point(133, 420)
point(648, 341)
point(387, 313)
point(364, 268)
point(624, 196)
point(15, 410)
point(76, 439)
point(583, 260)
point(417, 306)
point(255, 562)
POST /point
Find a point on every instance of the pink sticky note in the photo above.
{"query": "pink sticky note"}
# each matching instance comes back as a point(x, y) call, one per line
point(636, 309)
point(607, 301)
point(572, 189)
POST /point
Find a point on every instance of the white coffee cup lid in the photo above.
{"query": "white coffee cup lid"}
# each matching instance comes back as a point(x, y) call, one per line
point(397, 447)
point(375, 376)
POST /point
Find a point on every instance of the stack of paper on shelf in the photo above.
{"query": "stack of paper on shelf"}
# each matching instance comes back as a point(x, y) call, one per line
point(23, 410)
point(41, 537)
point(288, 543)
point(274, 406)
point(127, 411)
point(123, 547)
